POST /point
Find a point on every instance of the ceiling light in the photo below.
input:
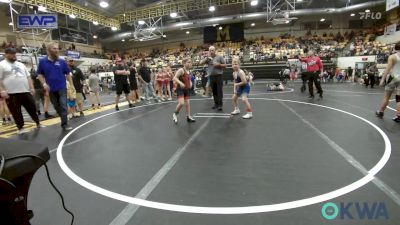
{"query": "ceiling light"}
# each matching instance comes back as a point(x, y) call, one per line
point(299, 1)
point(42, 8)
point(72, 16)
point(181, 24)
point(253, 24)
point(5, 1)
point(254, 3)
point(11, 24)
point(123, 40)
point(220, 28)
point(187, 32)
point(113, 28)
point(103, 4)
point(94, 36)
point(211, 9)
point(367, 10)
point(164, 36)
point(31, 6)
point(43, 29)
point(287, 21)
point(140, 39)
point(141, 22)
point(322, 20)
point(252, 15)
point(215, 19)
point(174, 14)
point(352, 14)
point(95, 23)
point(214, 25)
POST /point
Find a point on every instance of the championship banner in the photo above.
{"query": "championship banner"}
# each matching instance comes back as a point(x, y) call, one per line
point(36, 21)
point(391, 4)
point(69, 35)
point(229, 32)
point(391, 29)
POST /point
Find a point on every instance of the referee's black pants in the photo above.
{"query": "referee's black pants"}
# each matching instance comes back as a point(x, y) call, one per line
point(216, 84)
point(313, 78)
point(304, 78)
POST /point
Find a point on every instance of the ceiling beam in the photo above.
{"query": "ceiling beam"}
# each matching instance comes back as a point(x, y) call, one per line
point(159, 10)
point(67, 8)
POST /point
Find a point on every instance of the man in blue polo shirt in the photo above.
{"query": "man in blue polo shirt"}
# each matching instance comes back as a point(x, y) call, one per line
point(53, 73)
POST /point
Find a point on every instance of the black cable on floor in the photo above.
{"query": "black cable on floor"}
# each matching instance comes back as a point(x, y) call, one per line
point(2, 163)
point(49, 178)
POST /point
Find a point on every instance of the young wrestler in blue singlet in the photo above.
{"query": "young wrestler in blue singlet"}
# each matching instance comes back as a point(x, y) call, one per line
point(241, 88)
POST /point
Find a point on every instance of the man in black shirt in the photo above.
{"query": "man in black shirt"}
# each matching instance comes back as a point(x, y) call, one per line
point(133, 83)
point(144, 75)
point(350, 73)
point(371, 71)
point(40, 95)
point(78, 80)
point(121, 72)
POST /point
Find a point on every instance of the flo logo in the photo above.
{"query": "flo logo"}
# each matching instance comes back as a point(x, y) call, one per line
point(355, 210)
point(370, 15)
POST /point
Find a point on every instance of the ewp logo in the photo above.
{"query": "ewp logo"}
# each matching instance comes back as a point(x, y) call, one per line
point(355, 210)
point(30, 21)
point(370, 15)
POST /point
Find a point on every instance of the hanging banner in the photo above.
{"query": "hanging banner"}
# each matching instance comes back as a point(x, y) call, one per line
point(391, 29)
point(228, 32)
point(391, 4)
point(69, 35)
point(73, 54)
point(36, 21)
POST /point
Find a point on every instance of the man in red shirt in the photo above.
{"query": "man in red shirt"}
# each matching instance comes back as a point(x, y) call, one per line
point(314, 72)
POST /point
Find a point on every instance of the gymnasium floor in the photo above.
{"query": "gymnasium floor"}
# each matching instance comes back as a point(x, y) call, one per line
point(317, 151)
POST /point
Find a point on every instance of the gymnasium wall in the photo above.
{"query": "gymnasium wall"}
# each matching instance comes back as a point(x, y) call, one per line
point(389, 39)
point(345, 62)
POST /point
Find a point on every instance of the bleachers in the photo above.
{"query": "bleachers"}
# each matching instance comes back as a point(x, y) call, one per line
point(274, 49)
point(365, 44)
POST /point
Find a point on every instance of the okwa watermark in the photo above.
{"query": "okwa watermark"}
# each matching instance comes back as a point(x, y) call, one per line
point(370, 15)
point(355, 211)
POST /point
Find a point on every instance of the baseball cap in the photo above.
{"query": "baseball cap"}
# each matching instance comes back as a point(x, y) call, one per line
point(10, 51)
